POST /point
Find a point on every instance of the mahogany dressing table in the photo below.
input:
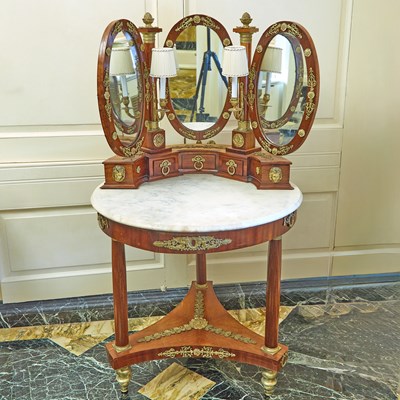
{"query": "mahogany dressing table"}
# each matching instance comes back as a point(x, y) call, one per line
point(201, 197)
point(181, 215)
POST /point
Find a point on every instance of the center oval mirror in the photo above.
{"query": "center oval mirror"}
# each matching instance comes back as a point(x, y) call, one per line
point(198, 95)
point(120, 86)
point(285, 87)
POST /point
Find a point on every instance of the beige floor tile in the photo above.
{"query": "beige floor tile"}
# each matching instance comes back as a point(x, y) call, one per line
point(177, 383)
point(254, 318)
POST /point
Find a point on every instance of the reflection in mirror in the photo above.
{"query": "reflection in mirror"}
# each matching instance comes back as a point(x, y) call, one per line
point(281, 97)
point(125, 90)
point(198, 92)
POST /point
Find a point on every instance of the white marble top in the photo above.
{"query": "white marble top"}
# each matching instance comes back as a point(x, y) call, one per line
point(195, 203)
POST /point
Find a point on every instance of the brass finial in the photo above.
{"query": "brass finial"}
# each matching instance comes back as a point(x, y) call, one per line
point(148, 19)
point(246, 19)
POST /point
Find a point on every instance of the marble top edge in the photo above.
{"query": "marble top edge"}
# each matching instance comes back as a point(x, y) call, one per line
point(195, 203)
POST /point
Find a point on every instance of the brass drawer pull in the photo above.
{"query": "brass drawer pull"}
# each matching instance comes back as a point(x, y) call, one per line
point(165, 170)
point(231, 167)
point(198, 162)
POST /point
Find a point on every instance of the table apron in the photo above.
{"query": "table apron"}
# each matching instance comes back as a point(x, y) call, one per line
point(195, 242)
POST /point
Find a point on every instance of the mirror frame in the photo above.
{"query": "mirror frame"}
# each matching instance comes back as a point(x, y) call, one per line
point(218, 28)
point(298, 36)
point(109, 120)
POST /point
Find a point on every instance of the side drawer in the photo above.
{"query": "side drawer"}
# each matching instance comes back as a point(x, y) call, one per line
point(164, 166)
point(232, 166)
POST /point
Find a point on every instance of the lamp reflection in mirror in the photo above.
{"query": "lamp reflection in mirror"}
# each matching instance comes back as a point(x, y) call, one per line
point(122, 66)
point(271, 63)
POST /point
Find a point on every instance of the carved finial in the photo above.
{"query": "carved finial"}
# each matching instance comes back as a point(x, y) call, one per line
point(148, 19)
point(246, 19)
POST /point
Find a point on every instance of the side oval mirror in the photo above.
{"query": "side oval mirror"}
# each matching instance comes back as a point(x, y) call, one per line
point(120, 83)
point(283, 87)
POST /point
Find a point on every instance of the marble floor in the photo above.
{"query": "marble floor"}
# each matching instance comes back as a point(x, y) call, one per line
point(339, 349)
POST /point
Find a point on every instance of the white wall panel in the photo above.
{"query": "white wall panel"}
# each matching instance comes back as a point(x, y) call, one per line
point(49, 58)
point(368, 234)
point(367, 261)
point(55, 144)
point(28, 236)
point(63, 245)
point(313, 228)
point(51, 193)
point(168, 14)
point(251, 266)
point(74, 284)
point(369, 198)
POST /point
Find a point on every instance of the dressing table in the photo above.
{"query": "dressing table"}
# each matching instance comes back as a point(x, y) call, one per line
point(201, 197)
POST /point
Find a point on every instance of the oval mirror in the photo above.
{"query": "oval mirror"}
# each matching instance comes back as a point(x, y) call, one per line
point(284, 87)
point(120, 87)
point(198, 95)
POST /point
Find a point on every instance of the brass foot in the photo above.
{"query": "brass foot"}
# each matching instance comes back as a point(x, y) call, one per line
point(123, 377)
point(269, 381)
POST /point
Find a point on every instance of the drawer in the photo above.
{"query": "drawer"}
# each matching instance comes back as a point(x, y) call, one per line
point(233, 166)
point(192, 162)
point(164, 166)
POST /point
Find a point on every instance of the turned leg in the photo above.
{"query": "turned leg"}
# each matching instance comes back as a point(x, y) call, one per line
point(272, 310)
point(120, 310)
point(120, 294)
point(273, 296)
point(269, 381)
point(123, 377)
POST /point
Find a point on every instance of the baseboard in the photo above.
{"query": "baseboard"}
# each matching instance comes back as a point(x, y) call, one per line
point(377, 287)
point(341, 281)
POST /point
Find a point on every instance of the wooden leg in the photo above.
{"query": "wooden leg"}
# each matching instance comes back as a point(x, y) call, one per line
point(269, 379)
point(120, 296)
point(273, 296)
point(120, 310)
point(201, 270)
